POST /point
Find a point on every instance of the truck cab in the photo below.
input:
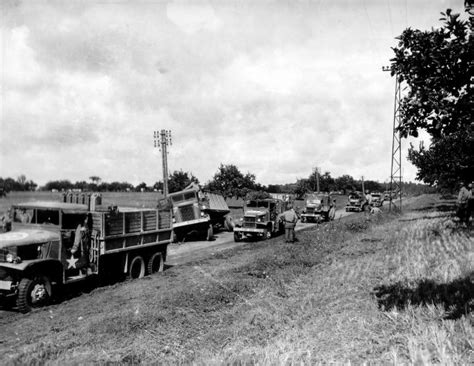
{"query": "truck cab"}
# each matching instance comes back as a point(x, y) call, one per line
point(318, 207)
point(33, 255)
point(262, 219)
point(377, 199)
point(356, 202)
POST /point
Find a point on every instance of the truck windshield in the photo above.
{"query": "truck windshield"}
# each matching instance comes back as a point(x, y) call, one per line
point(187, 196)
point(254, 204)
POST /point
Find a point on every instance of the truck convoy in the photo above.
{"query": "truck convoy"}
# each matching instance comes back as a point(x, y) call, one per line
point(198, 214)
point(262, 219)
point(52, 244)
point(318, 207)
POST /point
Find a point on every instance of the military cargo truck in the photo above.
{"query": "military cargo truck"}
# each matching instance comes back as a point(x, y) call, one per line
point(356, 202)
point(56, 243)
point(377, 199)
point(198, 214)
point(262, 219)
point(318, 207)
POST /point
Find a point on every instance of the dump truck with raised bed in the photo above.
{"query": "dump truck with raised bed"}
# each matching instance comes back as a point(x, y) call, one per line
point(356, 202)
point(53, 244)
point(198, 214)
point(262, 219)
point(318, 207)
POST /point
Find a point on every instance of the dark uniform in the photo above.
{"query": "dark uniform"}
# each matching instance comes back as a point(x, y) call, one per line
point(463, 200)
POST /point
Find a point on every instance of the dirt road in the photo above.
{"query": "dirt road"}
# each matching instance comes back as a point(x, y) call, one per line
point(197, 250)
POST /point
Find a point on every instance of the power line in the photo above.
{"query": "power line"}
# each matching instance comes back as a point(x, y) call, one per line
point(396, 162)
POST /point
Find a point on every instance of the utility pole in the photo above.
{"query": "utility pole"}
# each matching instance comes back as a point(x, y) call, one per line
point(396, 164)
point(363, 189)
point(162, 139)
point(316, 172)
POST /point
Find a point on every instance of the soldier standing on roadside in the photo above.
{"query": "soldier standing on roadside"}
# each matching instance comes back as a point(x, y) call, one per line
point(463, 200)
point(290, 218)
point(470, 204)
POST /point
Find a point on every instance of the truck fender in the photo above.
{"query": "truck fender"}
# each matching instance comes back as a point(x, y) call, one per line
point(51, 268)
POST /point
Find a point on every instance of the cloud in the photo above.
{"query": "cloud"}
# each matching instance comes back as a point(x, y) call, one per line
point(272, 87)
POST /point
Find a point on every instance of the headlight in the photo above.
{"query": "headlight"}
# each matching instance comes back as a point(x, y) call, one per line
point(259, 219)
point(203, 214)
point(12, 259)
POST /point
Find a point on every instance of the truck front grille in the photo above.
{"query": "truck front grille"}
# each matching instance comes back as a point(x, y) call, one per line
point(249, 222)
point(186, 213)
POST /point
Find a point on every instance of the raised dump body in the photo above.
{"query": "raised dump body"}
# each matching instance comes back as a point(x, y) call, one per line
point(198, 214)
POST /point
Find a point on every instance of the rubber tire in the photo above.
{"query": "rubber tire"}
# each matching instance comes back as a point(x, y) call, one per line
point(210, 233)
point(303, 219)
point(152, 263)
point(25, 289)
point(136, 263)
point(237, 237)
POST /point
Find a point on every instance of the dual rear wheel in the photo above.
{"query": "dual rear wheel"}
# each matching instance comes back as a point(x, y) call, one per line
point(138, 269)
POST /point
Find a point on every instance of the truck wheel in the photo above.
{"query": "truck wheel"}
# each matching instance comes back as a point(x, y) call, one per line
point(210, 233)
point(237, 237)
point(33, 293)
point(155, 263)
point(303, 219)
point(136, 269)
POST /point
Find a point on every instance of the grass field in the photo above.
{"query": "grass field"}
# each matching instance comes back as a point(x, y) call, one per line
point(392, 289)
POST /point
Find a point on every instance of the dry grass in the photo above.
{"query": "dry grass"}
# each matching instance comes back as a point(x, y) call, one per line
point(395, 289)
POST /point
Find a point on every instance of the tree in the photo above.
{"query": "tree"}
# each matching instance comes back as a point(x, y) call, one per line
point(95, 179)
point(230, 181)
point(345, 183)
point(141, 187)
point(437, 66)
point(179, 180)
point(301, 188)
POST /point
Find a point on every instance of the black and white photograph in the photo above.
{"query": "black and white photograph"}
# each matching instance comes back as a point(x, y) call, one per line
point(236, 182)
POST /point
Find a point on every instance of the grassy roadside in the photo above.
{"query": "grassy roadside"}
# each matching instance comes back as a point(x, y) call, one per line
point(392, 289)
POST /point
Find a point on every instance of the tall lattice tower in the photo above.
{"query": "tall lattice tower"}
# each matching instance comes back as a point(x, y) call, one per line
point(396, 164)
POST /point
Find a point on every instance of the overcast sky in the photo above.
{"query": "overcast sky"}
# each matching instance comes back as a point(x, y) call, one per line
point(273, 87)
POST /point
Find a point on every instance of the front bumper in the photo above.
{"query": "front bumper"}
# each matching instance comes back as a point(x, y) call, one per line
point(191, 222)
point(7, 290)
point(249, 230)
point(313, 216)
point(353, 208)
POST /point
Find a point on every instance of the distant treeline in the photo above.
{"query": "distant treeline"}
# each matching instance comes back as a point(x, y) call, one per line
point(178, 180)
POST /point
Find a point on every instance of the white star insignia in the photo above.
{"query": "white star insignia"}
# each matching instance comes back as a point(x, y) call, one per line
point(71, 262)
